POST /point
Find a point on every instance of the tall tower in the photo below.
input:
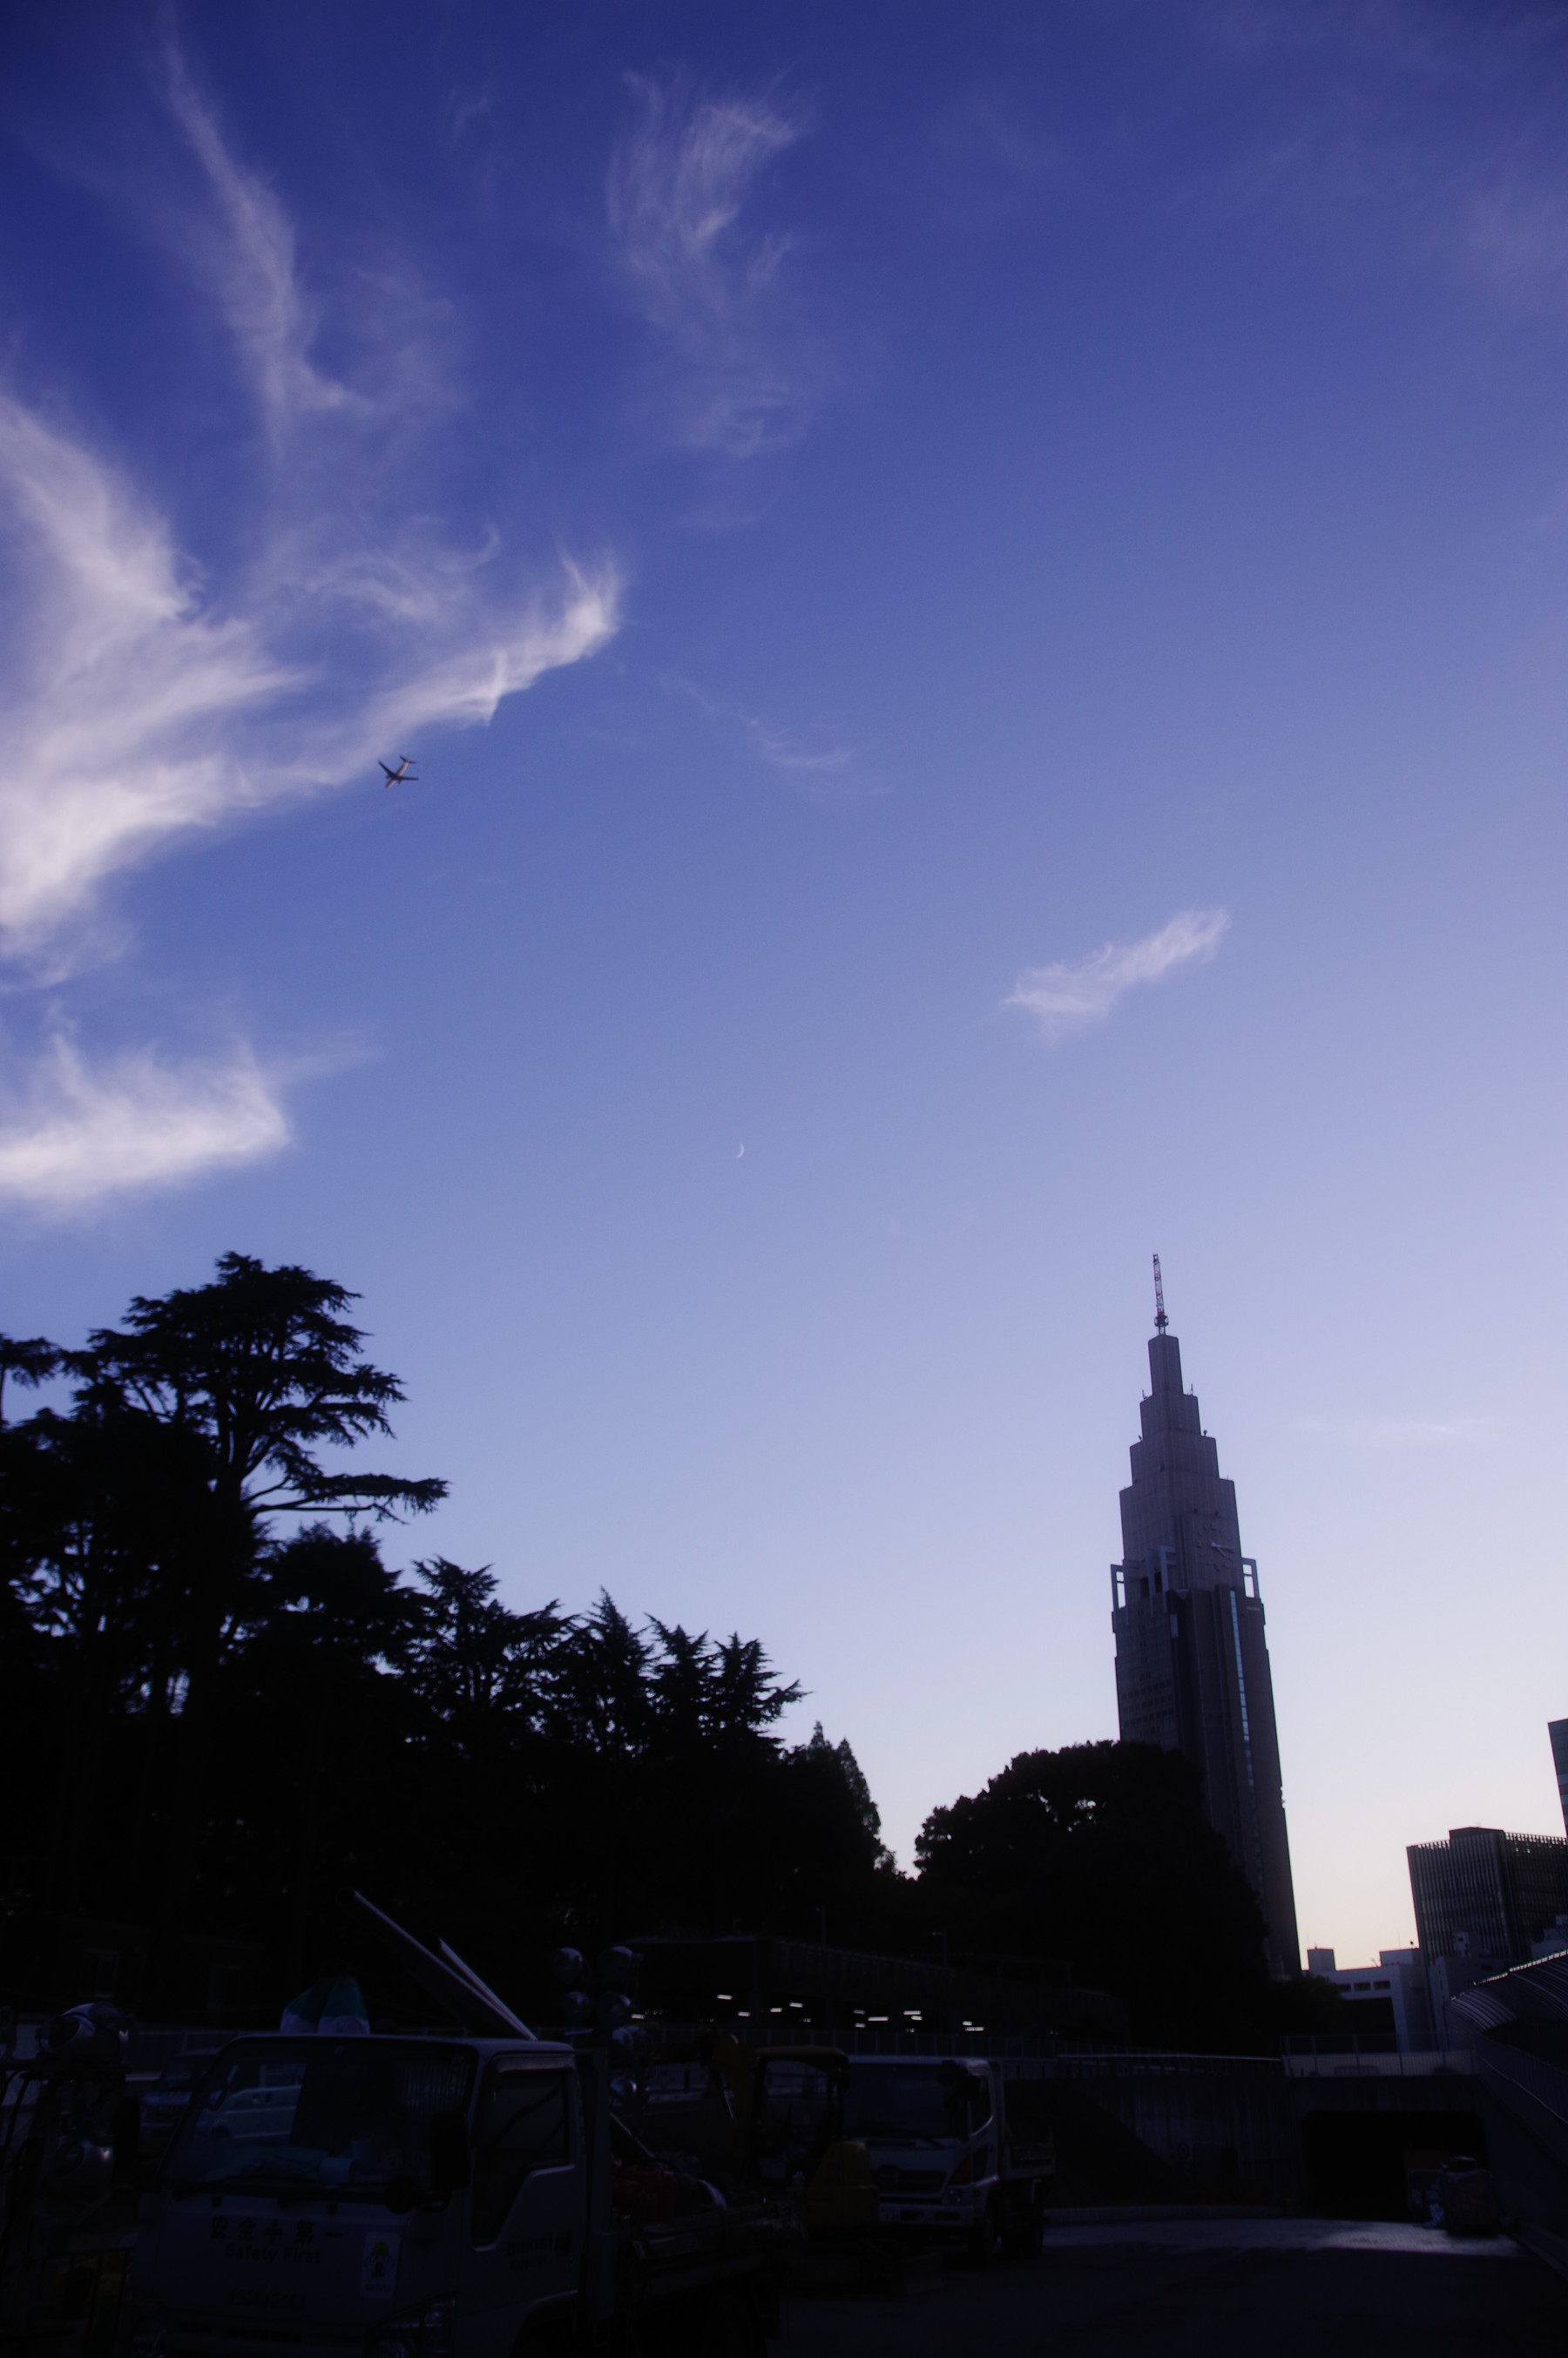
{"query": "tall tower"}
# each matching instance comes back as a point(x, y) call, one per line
point(1192, 1663)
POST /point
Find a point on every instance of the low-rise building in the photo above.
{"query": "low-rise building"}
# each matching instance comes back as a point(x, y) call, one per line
point(1390, 1994)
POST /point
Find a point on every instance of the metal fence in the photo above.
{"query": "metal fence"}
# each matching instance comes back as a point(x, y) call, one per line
point(1061, 2062)
point(1372, 2055)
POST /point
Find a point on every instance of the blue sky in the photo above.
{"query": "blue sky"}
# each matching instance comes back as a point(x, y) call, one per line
point(980, 600)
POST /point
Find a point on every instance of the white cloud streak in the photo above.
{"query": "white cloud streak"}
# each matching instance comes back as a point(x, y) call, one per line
point(249, 258)
point(145, 703)
point(1067, 999)
point(141, 707)
point(77, 1136)
point(745, 373)
point(830, 773)
point(136, 713)
point(123, 701)
point(1381, 1434)
point(781, 751)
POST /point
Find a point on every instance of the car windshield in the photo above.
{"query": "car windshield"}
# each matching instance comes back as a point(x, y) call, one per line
point(322, 2114)
point(917, 2100)
point(179, 2076)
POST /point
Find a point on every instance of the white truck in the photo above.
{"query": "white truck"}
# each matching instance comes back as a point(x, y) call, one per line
point(945, 2158)
point(435, 2194)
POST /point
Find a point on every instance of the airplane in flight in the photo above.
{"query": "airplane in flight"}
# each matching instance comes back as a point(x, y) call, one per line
point(403, 775)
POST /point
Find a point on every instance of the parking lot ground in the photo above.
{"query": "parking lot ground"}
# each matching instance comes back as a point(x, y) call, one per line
point(1207, 2289)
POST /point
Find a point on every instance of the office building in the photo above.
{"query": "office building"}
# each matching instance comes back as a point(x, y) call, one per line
point(1484, 1898)
point(1192, 1663)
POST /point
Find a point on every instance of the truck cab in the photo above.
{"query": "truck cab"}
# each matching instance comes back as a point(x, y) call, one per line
point(930, 2132)
point(898, 2151)
point(411, 2197)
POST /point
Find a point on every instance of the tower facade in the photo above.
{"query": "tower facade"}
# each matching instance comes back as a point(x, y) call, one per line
point(1192, 1663)
point(1557, 1729)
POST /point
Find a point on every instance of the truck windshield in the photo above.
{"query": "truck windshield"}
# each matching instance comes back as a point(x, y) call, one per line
point(794, 2114)
point(919, 2101)
point(334, 2115)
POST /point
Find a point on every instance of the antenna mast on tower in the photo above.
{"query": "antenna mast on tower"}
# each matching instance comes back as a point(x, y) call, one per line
point(1161, 1321)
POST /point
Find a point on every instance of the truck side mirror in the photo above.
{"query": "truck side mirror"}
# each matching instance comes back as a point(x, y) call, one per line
point(450, 2166)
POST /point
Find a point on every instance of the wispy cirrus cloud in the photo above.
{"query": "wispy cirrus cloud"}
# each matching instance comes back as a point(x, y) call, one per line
point(1443, 126)
point(75, 1134)
point(127, 705)
point(1381, 1434)
point(1066, 998)
point(816, 762)
point(139, 709)
point(247, 248)
point(825, 773)
point(150, 701)
point(742, 372)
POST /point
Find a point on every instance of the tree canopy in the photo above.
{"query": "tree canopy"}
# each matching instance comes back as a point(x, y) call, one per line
point(226, 1710)
point(1100, 1854)
point(30, 1362)
point(262, 1369)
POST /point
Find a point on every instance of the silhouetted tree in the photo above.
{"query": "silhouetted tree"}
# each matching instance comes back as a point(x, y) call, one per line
point(487, 1672)
point(32, 1363)
point(1100, 1854)
point(261, 1372)
point(602, 1700)
point(256, 1373)
point(332, 1628)
point(248, 1722)
point(101, 1517)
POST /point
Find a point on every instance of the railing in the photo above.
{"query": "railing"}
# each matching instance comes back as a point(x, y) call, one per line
point(1146, 2063)
point(999, 2046)
point(1371, 2055)
point(1510, 2069)
point(1054, 2061)
point(1342, 2042)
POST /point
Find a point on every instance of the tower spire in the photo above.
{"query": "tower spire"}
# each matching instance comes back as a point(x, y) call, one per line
point(1192, 1654)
